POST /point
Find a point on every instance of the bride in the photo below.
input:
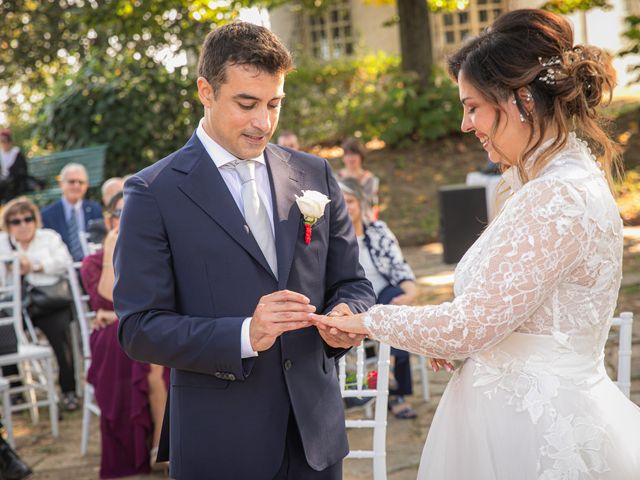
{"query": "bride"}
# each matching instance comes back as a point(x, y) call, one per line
point(536, 293)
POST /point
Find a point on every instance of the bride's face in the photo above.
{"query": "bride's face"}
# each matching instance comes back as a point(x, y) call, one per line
point(511, 135)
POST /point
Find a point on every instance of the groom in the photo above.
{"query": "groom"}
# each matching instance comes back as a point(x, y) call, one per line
point(216, 278)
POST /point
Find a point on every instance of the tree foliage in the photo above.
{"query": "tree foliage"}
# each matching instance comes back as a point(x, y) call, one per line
point(42, 39)
point(570, 6)
point(633, 35)
point(141, 112)
point(370, 97)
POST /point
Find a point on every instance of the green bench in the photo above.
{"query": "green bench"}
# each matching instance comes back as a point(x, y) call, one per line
point(47, 168)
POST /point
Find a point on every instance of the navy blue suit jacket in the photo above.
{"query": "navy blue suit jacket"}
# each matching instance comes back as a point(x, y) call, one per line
point(187, 275)
point(53, 217)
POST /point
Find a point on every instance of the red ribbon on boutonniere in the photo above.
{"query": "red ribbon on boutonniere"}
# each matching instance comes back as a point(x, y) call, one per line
point(311, 205)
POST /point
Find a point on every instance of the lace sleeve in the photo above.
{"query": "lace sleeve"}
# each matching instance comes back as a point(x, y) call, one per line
point(537, 239)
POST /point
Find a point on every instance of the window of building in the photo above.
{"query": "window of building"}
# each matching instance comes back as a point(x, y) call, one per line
point(450, 30)
point(330, 32)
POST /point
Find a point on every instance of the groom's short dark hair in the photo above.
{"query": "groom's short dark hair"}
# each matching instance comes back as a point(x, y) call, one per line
point(241, 43)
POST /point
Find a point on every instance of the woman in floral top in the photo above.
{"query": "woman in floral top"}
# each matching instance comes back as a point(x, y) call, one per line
point(393, 282)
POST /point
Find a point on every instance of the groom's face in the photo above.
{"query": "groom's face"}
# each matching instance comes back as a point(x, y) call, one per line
point(243, 113)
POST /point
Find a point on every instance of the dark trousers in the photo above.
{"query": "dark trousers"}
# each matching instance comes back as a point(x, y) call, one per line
point(402, 368)
point(294, 463)
point(55, 327)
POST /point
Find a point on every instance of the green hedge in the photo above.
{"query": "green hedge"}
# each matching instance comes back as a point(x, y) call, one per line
point(369, 97)
point(144, 112)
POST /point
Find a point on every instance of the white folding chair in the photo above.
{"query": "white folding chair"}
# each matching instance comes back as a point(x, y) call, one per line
point(380, 394)
point(625, 323)
point(35, 362)
point(85, 315)
point(424, 377)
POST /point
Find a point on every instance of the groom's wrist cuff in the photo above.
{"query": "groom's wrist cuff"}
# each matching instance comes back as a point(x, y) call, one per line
point(245, 340)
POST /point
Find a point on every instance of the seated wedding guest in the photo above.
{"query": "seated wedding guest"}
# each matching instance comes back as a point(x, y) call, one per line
point(70, 215)
point(353, 159)
point(43, 261)
point(109, 188)
point(288, 139)
point(96, 230)
point(13, 167)
point(393, 282)
point(131, 395)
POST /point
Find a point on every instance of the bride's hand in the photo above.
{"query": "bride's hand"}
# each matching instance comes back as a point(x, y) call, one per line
point(345, 323)
point(438, 363)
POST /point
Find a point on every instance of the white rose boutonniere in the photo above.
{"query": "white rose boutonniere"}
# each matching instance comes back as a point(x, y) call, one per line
point(311, 205)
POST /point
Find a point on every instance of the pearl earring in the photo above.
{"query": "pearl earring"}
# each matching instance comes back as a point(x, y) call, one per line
point(522, 118)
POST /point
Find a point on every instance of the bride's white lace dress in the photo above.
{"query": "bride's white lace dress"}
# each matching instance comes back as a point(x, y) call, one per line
point(534, 300)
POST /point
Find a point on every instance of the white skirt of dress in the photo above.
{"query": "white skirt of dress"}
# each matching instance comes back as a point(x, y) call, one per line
point(514, 414)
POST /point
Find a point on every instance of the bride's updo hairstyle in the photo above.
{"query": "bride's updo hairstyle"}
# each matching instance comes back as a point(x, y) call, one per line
point(534, 49)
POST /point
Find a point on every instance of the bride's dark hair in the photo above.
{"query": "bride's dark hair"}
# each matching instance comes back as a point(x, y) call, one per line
point(534, 49)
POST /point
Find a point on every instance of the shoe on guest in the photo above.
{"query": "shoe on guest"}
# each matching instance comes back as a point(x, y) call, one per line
point(70, 401)
point(11, 467)
point(401, 408)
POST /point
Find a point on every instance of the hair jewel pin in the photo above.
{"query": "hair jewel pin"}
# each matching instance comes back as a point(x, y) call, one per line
point(550, 74)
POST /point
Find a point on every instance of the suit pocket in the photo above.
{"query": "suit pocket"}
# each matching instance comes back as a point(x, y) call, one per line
point(328, 364)
point(199, 380)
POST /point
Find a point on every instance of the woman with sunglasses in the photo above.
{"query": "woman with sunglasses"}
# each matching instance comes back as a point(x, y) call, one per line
point(131, 395)
point(43, 261)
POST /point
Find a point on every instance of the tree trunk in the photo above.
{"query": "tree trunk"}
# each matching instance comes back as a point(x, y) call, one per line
point(415, 38)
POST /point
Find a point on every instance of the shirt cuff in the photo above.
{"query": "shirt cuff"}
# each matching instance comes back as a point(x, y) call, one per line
point(245, 341)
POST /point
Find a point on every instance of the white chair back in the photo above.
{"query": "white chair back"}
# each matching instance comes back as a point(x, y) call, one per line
point(380, 394)
point(625, 323)
point(83, 311)
point(85, 316)
point(11, 295)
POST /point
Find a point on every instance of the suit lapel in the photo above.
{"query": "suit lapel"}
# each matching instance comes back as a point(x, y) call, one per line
point(286, 182)
point(205, 186)
point(63, 222)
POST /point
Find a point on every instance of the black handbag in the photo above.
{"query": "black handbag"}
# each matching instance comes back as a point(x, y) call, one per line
point(40, 300)
point(8, 338)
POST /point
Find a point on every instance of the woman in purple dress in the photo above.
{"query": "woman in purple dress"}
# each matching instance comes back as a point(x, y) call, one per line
point(131, 395)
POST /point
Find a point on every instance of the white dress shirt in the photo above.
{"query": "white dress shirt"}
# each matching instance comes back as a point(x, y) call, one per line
point(222, 157)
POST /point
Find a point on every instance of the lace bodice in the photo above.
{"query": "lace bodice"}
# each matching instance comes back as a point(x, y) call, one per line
point(550, 263)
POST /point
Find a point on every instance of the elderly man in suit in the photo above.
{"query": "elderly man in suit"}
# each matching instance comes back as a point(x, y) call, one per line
point(217, 274)
point(70, 215)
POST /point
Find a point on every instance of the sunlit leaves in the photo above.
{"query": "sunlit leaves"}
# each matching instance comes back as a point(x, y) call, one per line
point(569, 6)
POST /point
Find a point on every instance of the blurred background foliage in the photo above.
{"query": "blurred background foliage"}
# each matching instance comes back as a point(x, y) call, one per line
point(370, 97)
point(85, 72)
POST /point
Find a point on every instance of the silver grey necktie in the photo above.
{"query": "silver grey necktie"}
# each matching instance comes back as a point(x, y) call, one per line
point(255, 213)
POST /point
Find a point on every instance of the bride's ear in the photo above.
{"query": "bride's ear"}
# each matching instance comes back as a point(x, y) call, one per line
point(526, 99)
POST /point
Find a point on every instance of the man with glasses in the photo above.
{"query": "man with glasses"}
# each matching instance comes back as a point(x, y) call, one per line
point(70, 215)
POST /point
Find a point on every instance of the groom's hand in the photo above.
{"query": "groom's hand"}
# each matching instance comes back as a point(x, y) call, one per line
point(336, 338)
point(275, 314)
